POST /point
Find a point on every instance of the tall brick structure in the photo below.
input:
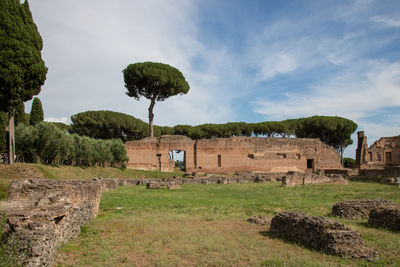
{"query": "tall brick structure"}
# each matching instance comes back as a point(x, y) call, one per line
point(382, 152)
point(228, 155)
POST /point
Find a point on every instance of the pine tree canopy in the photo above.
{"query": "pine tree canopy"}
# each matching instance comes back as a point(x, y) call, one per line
point(22, 70)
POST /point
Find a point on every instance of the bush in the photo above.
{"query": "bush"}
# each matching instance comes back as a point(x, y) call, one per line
point(48, 144)
point(349, 163)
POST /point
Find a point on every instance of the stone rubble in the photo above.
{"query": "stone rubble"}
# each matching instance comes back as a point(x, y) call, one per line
point(358, 208)
point(321, 234)
point(259, 219)
point(385, 217)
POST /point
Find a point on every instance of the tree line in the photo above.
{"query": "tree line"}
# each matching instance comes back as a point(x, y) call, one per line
point(46, 143)
point(332, 130)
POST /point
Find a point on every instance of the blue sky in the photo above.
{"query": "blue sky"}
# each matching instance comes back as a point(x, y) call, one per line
point(244, 60)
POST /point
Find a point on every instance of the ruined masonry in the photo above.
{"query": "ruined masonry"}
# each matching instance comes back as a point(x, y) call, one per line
point(43, 214)
point(322, 234)
point(230, 155)
point(359, 208)
point(382, 152)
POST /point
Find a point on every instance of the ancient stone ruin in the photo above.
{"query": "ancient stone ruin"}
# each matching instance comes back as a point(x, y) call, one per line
point(169, 184)
point(321, 234)
point(359, 208)
point(43, 214)
point(385, 217)
point(230, 155)
point(297, 178)
point(382, 152)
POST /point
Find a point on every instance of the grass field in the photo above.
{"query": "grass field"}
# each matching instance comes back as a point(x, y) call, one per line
point(205, 225)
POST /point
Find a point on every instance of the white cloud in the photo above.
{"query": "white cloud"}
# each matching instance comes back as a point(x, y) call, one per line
point(51, 119)
point(355, 93)
point(280, 63)
point(87, 44)
point(387, 21)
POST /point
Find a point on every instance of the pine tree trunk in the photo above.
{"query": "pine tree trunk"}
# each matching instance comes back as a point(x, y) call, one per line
point(11, 143)
point(151, 117)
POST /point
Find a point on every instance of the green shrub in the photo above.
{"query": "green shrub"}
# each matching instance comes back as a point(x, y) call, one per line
point(349, 163)
point(48, 144)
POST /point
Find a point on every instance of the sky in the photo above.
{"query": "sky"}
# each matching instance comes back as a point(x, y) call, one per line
point(251, 61)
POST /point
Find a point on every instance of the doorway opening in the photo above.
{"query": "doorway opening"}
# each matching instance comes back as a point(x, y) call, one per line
point(179, 157)
point(310, 163)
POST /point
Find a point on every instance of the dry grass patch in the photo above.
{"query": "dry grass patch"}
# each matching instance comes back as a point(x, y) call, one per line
point(179, 240)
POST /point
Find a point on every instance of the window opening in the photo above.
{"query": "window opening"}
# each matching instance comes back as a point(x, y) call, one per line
point(388, 156)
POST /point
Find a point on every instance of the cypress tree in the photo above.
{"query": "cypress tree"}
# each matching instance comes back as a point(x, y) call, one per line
point(36, 112)
point(20, 116)
point(22, 70)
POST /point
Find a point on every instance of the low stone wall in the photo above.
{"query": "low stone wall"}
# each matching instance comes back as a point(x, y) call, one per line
point(391, 171)
point(371, 172)
point(321, 234)
point(107, 184)
point(43, 214)
point(385, 217)
point(390, 180)
point(344, 172)
point(170, 184)
point(358, 208)
point(296, 178)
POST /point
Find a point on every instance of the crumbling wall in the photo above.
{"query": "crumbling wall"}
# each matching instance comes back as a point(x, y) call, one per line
point(296, 178)
point(43, 214)
point(228, 155)
point(384, 151)
point(236, 154)
point(152, 153)
point(321, 234)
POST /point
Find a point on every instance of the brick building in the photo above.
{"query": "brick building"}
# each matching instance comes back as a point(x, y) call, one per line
point(381, 153)
point(228, 155)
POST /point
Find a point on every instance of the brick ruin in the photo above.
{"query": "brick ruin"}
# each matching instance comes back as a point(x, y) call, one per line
point(230, 155)
point(381, 153)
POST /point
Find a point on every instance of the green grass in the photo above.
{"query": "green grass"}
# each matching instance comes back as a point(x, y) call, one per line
point(205, 225)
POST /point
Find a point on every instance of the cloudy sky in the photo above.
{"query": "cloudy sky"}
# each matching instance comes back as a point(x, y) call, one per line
point(246, 61)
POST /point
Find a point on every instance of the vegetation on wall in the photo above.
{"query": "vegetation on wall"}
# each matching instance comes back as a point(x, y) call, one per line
point(46, 143)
